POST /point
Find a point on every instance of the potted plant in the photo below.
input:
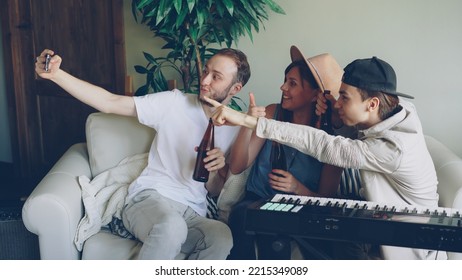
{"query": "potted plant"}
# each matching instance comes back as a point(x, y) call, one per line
point(189, 28)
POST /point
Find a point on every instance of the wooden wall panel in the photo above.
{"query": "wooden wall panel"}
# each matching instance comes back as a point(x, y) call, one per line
point(89, 36)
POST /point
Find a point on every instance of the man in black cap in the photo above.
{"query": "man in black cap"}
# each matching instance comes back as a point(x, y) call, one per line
point(390, 150)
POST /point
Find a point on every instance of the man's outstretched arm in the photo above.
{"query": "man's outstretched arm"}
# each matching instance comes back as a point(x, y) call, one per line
point(89, 94)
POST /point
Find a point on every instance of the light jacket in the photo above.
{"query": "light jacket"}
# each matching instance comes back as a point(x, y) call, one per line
point(396, 167)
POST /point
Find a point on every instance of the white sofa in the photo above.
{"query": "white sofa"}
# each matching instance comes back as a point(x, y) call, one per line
point(449, 172)
point(54, 208)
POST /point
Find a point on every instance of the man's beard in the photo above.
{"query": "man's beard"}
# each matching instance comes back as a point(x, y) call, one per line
point(219, 97)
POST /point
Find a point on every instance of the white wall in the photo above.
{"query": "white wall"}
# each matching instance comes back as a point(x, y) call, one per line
point(421, 39)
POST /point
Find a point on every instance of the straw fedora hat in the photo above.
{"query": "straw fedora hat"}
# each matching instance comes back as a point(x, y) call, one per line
point(326, 71)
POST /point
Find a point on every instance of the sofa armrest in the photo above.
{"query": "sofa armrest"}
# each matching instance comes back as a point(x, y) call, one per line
point(448, 168)
point(233, 191)
point(54, 208)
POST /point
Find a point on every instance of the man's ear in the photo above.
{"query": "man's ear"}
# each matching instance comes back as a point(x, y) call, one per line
point(235, 89)
point(374, 103)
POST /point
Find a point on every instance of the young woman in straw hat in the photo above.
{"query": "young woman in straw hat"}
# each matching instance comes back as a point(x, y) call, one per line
point(305, 175)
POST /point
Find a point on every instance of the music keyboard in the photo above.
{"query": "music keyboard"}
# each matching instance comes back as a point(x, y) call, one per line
point(357, 221)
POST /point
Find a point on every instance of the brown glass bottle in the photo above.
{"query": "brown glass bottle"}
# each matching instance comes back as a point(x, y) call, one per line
point(278, 158)
point(324, 122)
point(201, 174)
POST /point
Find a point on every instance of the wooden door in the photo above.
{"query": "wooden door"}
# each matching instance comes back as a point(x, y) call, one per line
point(89, 36)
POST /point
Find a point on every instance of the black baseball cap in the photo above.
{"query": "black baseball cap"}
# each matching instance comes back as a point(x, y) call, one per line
point(372, 74)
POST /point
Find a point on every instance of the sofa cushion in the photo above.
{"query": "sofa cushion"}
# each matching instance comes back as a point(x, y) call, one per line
point(111, 138)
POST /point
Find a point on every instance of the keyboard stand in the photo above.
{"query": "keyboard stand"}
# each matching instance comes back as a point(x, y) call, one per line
point(279, 248)
point(319, 255)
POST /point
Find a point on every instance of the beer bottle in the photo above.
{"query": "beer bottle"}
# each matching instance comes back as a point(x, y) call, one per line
point(201, 174)
point(278, 157)
point(325, 120)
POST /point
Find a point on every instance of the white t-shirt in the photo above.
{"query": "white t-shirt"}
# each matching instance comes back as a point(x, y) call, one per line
point(180, 123)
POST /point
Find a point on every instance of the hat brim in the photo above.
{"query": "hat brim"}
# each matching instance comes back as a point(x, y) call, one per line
point(372, 74)
point(357, 83)
point(400, 94)
point(325, 69)
point(296, 54)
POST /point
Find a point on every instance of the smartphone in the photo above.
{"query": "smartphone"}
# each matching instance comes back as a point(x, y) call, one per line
point(47, 62)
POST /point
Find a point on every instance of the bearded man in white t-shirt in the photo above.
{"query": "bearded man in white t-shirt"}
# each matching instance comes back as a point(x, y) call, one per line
point(165, 208)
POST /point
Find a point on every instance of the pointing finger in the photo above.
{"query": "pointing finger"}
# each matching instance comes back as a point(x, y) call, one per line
point(212, 102)
point(252, 102)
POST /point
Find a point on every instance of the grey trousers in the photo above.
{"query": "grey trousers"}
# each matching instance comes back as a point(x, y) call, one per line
point(167, 227)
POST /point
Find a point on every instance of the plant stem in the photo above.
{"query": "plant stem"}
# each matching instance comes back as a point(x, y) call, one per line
point(198, 64)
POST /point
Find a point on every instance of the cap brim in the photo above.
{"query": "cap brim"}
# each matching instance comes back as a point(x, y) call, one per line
point(401, 94)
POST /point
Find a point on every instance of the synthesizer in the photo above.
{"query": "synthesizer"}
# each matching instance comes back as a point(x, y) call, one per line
point(357, 221)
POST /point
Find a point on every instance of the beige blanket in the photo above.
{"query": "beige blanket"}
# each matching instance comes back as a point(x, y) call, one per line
point(104, 197)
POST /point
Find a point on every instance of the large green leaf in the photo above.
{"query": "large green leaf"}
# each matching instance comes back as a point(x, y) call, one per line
point(149, 58)
point(201, 16)
point(193, 33)
point(181, 17)
point(274, 7)
point(140, 69)
point(178, 4)
point(142, 3)
point(164, 9)
point(229, 6)
point(143, 90)
point(220, 9)
point(191, 4)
